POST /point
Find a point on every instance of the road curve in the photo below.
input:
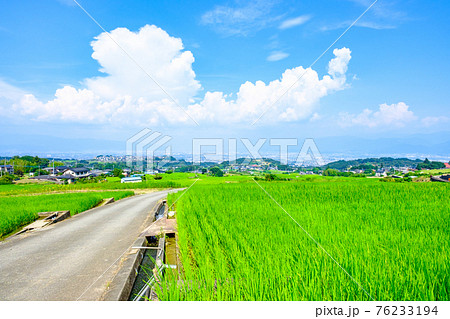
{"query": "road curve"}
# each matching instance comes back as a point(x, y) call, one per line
point(63, 261)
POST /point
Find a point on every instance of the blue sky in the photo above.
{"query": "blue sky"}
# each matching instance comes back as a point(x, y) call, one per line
point(389, 78)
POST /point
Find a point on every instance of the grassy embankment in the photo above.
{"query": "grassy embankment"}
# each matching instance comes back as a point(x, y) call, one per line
point(17, 211)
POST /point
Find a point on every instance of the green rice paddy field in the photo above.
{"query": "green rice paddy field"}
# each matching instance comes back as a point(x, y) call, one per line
point(236, 243)
point(17, 211)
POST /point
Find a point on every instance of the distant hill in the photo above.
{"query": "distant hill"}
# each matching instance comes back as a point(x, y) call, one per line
point(376, 162)
point(252, 161)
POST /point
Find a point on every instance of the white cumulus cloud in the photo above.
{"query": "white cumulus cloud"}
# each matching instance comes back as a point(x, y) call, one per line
point(293, 97)
point(9, 94)
point(397, 115)
point(126, 95)
point(154, 51)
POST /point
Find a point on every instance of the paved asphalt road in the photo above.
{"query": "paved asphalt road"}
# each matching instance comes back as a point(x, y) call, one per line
point(61, 261)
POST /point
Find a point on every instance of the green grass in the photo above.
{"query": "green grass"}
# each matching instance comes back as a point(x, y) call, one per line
point(23, 189)
point(237, 244)
point(174, 180)
point(17, 211)
point(436, 171)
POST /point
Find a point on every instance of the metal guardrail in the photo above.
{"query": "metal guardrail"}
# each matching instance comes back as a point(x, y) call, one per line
point(145, 290)
point(159, 263)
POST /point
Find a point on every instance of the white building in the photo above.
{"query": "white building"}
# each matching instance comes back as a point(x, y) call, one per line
point(79, 172)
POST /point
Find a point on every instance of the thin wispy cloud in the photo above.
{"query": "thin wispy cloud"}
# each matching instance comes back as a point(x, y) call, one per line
point(383, 15)
point(290, 23)
point(361, 24)
point(383, 9)
point(240, 19)
point(435, 120)
point(277, 56)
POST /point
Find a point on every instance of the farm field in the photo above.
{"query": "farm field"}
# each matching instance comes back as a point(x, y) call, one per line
point(174, 180)
point(23, 189)
point(17, 211)
point(436, 171)
point(238, 244)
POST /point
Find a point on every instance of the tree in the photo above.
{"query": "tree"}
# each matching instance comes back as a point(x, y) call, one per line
point(430, 165)
point(204, 170)
point(6, 179)
point(217, 172)
point(40, 172)
point(270, 177)
point(117, 173)
point(18, 172)
point(330, 172)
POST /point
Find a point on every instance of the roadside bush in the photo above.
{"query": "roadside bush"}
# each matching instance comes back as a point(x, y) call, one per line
point(6, 179)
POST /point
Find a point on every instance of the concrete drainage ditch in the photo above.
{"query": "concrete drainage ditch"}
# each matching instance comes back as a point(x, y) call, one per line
point(145, 265)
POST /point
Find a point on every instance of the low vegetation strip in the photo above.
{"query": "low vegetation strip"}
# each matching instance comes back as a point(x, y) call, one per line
point(237, 244)
point(18, 211)
point(19, 189)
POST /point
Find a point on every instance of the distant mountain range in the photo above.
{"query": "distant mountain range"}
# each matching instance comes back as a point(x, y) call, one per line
point(434, 146)
point(376, 162)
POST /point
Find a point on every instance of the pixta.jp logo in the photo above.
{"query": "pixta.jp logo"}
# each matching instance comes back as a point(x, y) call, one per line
point(141, 149)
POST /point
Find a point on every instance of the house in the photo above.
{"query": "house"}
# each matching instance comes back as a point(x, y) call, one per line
point(55, 170)
point(7, 169)
point(126, 172)
point(78, 172)
point(380, 173)
point(60, 169)
point(96, 172)
point(447, 165)
point(50, 170)
point(68, 178)
point(131, 180)
point(47, 178)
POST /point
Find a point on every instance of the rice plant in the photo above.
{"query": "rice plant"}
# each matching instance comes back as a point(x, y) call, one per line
point(237, 244)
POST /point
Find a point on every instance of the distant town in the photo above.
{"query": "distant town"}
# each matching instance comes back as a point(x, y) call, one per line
point(28, 169)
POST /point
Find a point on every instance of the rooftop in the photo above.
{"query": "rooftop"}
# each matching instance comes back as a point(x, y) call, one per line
point(79, 169)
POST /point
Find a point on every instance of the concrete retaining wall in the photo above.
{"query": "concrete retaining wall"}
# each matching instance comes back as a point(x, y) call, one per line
point(122, 284)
